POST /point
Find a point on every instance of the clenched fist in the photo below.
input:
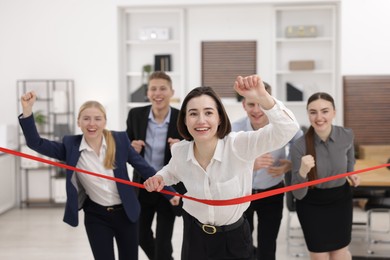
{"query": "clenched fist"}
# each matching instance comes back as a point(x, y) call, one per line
point(307, 162)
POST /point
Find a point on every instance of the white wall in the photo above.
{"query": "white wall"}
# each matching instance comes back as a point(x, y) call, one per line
point(75, 39)
point(78, 39)
point(241, 23)
point(365, 39)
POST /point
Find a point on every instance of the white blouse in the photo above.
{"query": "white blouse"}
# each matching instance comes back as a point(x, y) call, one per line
point(229, 174)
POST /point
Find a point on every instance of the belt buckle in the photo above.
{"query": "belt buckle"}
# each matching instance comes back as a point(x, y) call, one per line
point(110, 209)
point(209, 229)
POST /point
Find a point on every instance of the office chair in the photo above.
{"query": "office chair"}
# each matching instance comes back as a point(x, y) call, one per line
point(293, 240)
point(376, 205)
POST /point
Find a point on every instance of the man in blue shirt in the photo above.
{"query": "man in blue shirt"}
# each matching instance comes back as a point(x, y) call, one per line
point(152, 130)
point(268, 174)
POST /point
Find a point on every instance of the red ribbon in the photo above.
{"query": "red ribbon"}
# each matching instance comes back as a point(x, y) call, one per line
point(208, 202)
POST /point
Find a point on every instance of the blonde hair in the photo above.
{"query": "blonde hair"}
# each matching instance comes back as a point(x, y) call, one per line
point(109, 160)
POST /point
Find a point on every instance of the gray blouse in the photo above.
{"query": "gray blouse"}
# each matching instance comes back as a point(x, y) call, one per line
point(334, 156)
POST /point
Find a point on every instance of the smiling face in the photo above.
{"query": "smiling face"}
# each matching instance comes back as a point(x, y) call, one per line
point(202, 118)
point(160, 93)
point(255, 114)
point(92, 122)
point(321, 114)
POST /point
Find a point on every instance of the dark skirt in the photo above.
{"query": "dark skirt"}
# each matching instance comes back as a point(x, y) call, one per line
point(325, 216)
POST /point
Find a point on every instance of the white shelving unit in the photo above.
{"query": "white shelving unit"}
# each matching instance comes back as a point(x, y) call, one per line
point(41, 184)
point(148, 32)
point(7, 182)
point(323, 49)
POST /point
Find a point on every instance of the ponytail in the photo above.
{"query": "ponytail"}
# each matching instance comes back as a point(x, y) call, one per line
point(310, 149)
point(109, 160)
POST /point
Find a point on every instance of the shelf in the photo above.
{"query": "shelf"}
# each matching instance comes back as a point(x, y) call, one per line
point(140, 104)
point(56, 102)
point(147, 32)
point(291, 72)
point(321, 48)
point(139, 74)
point(39, 168)
point(153, 42)
point(303, 39)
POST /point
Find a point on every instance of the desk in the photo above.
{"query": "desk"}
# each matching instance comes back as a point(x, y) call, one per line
point(374, 184)
point(379, 178)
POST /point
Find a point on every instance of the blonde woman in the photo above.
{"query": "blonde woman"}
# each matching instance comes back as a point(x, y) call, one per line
point(111, 209)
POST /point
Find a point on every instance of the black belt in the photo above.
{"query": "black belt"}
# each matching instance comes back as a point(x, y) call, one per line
point(279, 185)
point(104, 208)
point(210, 229)
point(114, 207)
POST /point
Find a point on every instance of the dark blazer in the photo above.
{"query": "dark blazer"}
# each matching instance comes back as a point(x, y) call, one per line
point(137, 123)
point(68, 151)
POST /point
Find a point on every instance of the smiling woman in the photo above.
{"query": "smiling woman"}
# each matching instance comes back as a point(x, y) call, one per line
point(114, 206)
point(324, 211)
point(215, 164)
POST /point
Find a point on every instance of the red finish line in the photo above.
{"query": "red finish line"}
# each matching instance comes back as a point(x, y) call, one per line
point(208, 202)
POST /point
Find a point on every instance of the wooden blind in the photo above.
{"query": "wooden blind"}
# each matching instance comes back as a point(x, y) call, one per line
point(223, 61)
point(366, 108)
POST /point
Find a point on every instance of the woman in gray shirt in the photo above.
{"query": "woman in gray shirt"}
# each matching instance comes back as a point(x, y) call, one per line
point(324, 210)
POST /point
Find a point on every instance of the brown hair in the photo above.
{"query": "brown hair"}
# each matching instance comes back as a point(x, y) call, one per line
point(160, 75)
point(223, 129)
point(309, 136)
point(109, 160)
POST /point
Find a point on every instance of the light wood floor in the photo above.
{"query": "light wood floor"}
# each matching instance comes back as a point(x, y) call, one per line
point(40, 234)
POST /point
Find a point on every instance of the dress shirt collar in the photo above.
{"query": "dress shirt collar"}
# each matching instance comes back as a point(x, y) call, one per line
point(249, 125)
point(218, 154)
point(166, 120)
point(85, 146)
point(332, 137)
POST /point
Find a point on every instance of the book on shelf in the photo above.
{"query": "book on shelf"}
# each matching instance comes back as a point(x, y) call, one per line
point(162, 62)
point(294, 92)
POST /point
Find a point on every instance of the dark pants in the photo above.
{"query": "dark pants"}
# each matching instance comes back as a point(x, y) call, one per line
point(103, 226)
point(158, 246)
point(234, 244)
point(269, 216)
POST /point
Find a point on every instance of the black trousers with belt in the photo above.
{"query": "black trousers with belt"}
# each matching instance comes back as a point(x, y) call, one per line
point(156, 246)
point(233, 244)
point(269, 216)
point(103, 224)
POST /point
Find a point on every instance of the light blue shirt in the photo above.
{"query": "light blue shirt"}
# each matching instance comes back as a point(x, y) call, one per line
point(261, 178)
point(156, 140)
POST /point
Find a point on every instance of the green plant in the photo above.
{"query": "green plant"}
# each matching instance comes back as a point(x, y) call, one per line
point(39, 117)
point(146, 70)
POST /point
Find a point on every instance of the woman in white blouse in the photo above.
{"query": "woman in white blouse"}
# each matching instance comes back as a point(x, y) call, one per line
point(215, 164)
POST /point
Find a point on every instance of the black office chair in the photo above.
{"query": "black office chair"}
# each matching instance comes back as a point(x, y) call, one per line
point(388, 161)
point(293, 239)
point(360, 198)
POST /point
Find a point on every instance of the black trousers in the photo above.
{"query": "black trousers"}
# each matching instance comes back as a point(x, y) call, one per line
point(235, 244)
point(269, 216)
point(103, 226)
point(156, 246)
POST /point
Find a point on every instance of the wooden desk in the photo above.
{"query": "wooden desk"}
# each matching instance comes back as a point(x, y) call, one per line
point(379, 178)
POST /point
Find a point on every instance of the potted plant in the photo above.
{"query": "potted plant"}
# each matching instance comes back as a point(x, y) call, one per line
point(146, 70)
point(40, 120)
point(140, 95)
